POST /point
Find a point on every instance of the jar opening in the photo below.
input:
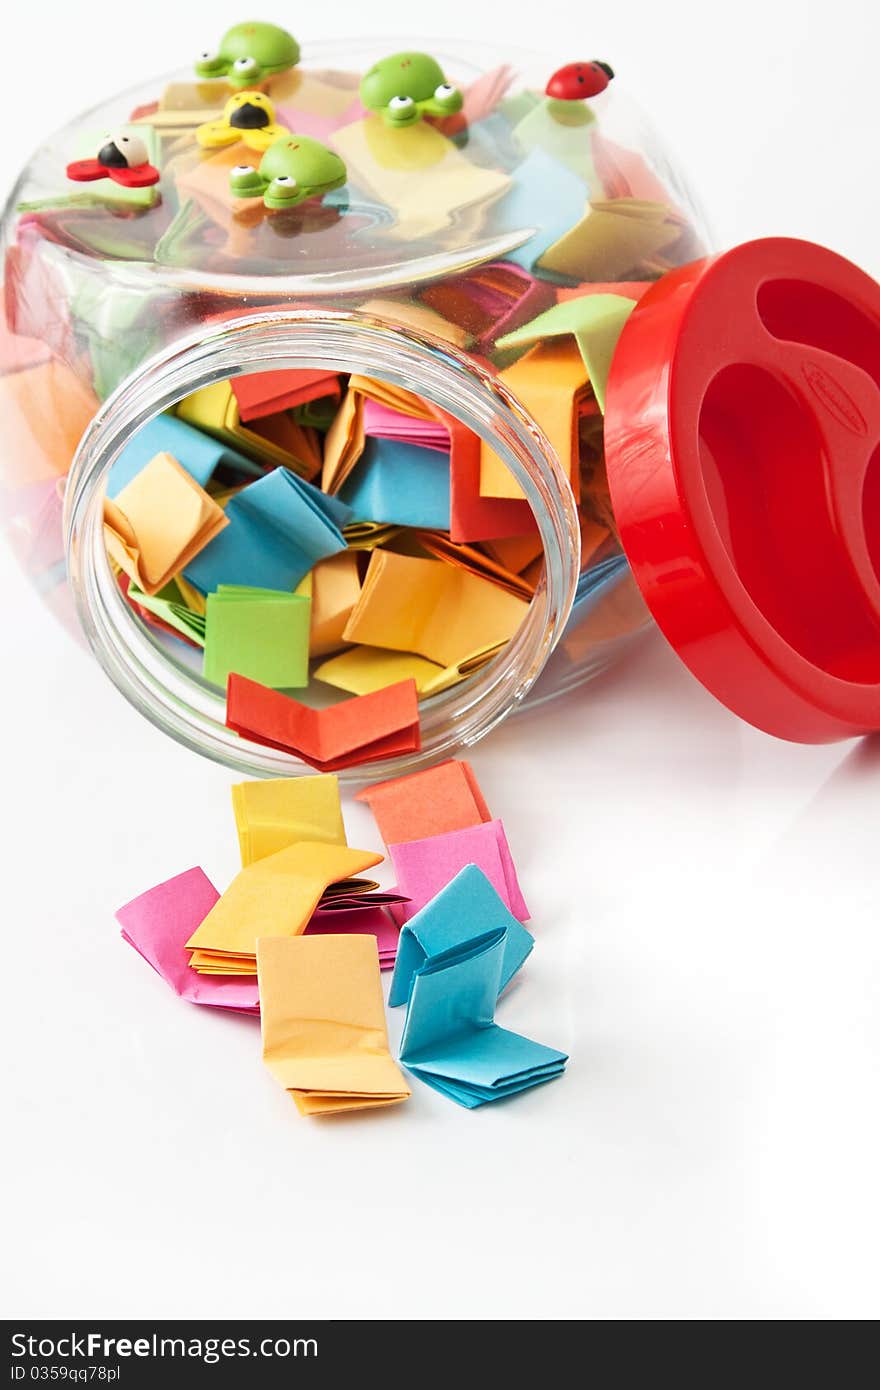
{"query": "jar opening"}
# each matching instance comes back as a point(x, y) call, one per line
point(177, 698)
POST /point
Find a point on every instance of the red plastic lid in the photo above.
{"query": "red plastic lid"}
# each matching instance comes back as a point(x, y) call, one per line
point(742, 432)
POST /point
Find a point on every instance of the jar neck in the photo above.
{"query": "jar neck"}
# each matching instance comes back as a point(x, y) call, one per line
point(184, 705)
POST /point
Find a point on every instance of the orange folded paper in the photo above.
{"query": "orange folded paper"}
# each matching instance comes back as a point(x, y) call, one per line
point(423, 804)
point(275, 896)
point(159, 522)
point(45, 411)
point(379, 725)
point(436, 610)
point(438, 545)
point(323, 1023)
point(551, 382)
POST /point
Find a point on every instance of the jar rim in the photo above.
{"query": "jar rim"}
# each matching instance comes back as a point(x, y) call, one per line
point(181, 703)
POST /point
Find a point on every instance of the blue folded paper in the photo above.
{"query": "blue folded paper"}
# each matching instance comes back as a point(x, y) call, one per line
point(544, 201)
point(198, 453)
point(279, 528)
point(462, 912)
point(450, 1038)
point(404, 484)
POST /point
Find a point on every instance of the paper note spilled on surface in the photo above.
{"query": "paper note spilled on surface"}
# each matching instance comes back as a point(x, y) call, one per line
point(423, 867)
point(275, 896)
point(323, 1023)
point(284, 811)
point(459, 915)
point(158, 925)
point(440, 799)
point(450, 1039)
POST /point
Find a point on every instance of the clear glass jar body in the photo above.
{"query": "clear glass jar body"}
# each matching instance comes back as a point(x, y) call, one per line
point(117, 310)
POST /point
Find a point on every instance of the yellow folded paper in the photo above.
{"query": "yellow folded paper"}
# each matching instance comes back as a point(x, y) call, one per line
point(277, 441)
point(284, 811)
point(276, 896)
point(613, 240)
point(362, 670)
point(334, 587)
point(430, 608)
point(419, 174)
point(159, 522)
point(551, 382)
point(323, 1023)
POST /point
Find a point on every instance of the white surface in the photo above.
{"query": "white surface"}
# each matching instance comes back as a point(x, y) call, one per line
point(704, 898)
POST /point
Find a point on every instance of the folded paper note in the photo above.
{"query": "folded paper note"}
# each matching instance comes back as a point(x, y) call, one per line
point(279, 527)
point(424, 804)
point(323, 1023)
point(334, 587)
point(158, 924)
point(612, 240)
point(275, 896)
point(284, 811)
point(595, 321)
point(266, 393)
point(381, 422)
point(364, 670)
point(360, 730)
point(423, 867)
point(490, 299)
point(259, 633)
point(199, 454)
point(167, 607)
point(562, 131)
point(431, 609)
point(450, 1039)
point(159, 523)
point(401, 483)
point(551, 382)
point(275, 441)
point(364, 920)
point(542, 202)
point(474, 561)
point(416, 172)
point(466, 909)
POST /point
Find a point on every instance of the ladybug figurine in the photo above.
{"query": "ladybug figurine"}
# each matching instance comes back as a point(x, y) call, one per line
point(122, 157)
point(577, 81)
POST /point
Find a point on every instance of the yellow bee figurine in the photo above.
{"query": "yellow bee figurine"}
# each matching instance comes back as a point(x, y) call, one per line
point(248, 116)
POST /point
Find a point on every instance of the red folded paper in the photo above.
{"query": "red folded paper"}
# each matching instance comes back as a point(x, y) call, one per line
point(265, 393)
point(363, 729)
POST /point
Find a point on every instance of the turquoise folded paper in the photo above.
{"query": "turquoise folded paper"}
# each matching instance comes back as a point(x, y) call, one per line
point(201, 456)
point(450, 1038)
point(279, 528)
point(463, 912)
point(404, 484)
point(544, 201)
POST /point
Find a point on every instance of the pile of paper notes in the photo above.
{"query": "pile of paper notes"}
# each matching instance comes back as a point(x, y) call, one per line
point(299, 938)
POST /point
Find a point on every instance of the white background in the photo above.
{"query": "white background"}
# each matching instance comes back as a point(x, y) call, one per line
point(704, 898)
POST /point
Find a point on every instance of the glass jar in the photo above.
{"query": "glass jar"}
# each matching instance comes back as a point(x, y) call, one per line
point(120, 302)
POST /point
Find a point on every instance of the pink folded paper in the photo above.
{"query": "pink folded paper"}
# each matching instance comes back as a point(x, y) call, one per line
point(159, 922)
point(315, 125)
point(381, 422)
point(423, 867)
point(370, 922)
